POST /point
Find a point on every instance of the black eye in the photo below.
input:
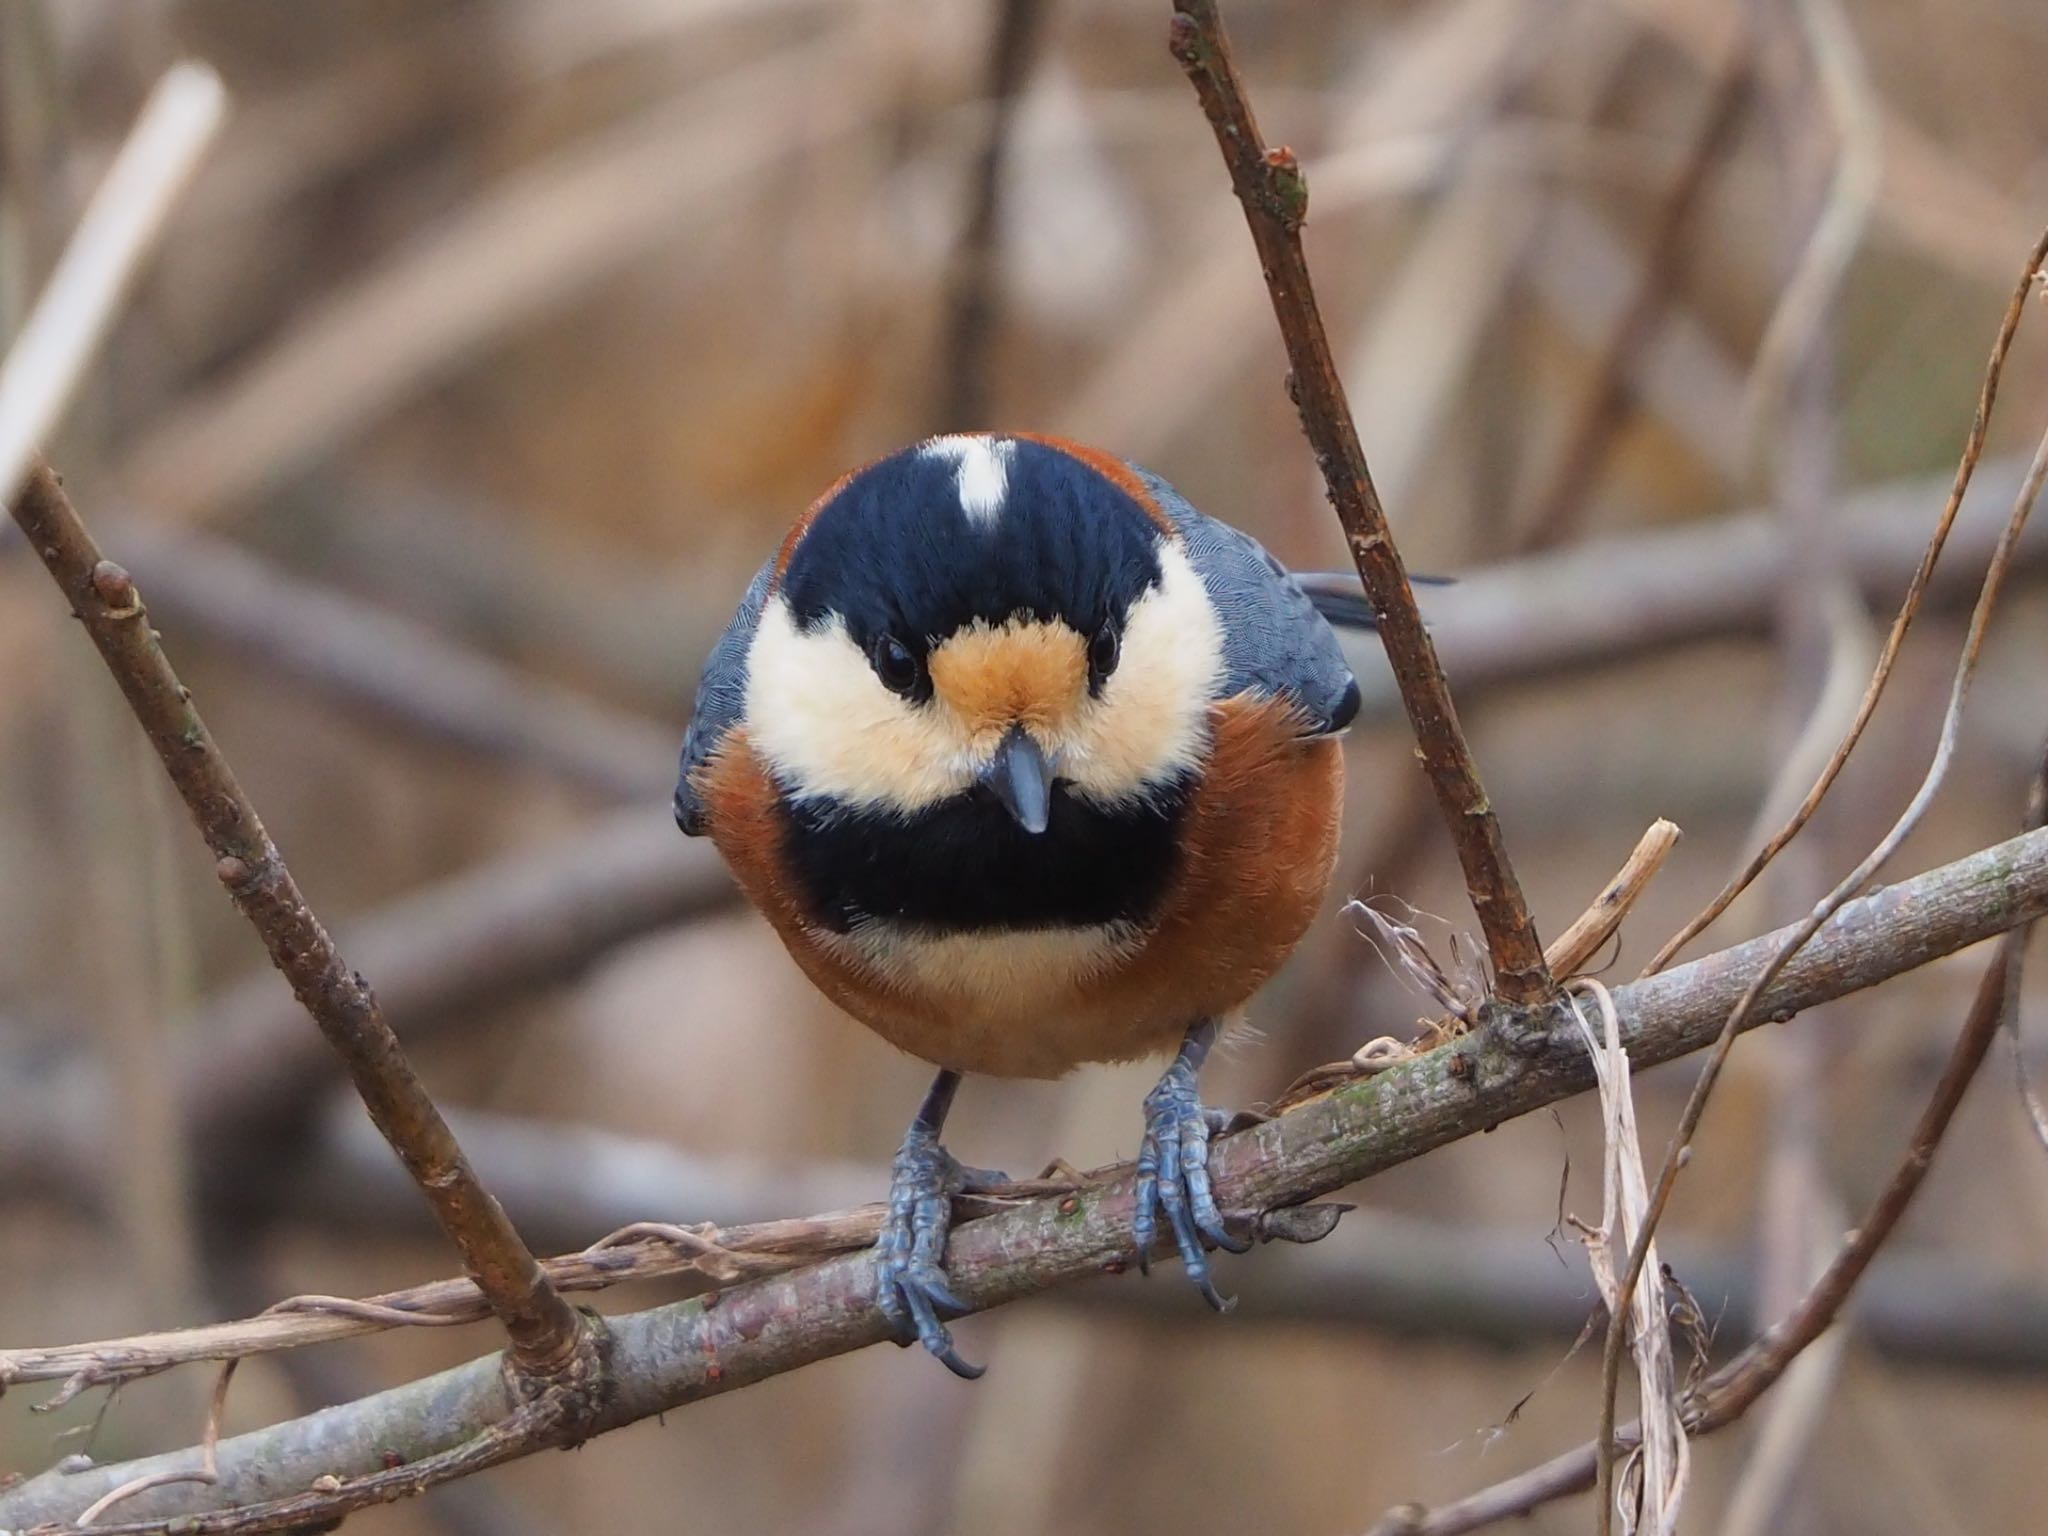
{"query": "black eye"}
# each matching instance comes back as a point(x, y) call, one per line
point(895, 664)
point(1103, 652)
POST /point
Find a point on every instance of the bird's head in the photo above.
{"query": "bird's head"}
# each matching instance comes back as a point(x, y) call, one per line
point(984, 616)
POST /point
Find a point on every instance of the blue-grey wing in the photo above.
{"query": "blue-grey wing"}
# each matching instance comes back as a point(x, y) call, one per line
point(721, 698)
point(1274, 640)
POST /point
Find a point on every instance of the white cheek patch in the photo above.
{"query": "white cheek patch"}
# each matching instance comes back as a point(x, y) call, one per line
point(981, 472)
point(826, 726)
point(1150, 723)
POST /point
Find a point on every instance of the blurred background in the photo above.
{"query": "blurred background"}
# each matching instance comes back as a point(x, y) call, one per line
point(498, 341)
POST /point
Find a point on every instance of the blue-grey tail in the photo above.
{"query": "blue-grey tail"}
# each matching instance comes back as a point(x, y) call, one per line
point(1339, 598)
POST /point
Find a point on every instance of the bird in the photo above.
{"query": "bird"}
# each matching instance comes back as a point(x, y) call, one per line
point(1030, 765)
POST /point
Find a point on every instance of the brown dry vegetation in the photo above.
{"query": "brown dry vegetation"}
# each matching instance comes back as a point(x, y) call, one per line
point(536, 321)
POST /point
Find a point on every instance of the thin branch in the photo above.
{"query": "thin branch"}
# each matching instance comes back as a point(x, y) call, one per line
point(545, 1331)
point(1916, 591)
point(1568, 953)
point(1274, 195)
point(1727, 1394)
point(1910, 818)
point(44, 365)
point(444, 956)
point(207, 1472)
point(1731, 1390)
point(1406, 1276)
point(668, 1356)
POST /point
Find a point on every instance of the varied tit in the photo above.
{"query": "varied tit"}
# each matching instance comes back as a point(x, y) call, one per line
point(1030, 764)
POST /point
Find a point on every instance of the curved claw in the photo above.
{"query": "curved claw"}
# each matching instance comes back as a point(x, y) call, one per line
point(1173, 1180)
point(910, 1298)
point(910, 1280)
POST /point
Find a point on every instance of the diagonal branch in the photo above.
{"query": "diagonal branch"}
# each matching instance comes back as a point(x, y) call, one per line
point(1843, 891)
point(668, 1356)
point(1270, 185)
point(546, 1333)
point(1730, 1392)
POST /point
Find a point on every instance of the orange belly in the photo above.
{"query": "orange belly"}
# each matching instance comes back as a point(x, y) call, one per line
point(1260, 843)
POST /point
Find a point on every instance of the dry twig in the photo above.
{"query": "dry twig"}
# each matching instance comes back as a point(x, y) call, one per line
point(1274, 195)
point(1854, 881)
point(1591, 929)
point(545, 1332)
point(1916, 591)
point(1405, 1276)
point(1730, 1391)
point(1662, 1462)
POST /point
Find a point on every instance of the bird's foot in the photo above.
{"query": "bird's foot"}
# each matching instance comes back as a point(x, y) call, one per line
point(910, 1280)
point(1173, 1176)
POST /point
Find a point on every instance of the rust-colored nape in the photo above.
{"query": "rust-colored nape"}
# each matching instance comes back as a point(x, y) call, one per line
point(1112, 469)
point(802, 525)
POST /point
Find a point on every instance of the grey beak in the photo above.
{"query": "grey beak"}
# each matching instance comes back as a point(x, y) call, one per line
point(1021, 778)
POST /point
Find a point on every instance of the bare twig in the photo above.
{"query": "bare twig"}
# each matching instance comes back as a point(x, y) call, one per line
point(1401, 948)
point(45, 363)
point(1407, 1276)
point(1270, 187)
point(1664, 1463)
point(207, 1472)
point(1591, 929)
point(681, 1353)
point(1844, 891)
point(1916, 591)
point(1727, 1394)
point(545, 1331)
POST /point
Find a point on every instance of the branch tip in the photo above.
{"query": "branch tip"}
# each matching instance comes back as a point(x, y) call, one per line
point(1274, 195)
